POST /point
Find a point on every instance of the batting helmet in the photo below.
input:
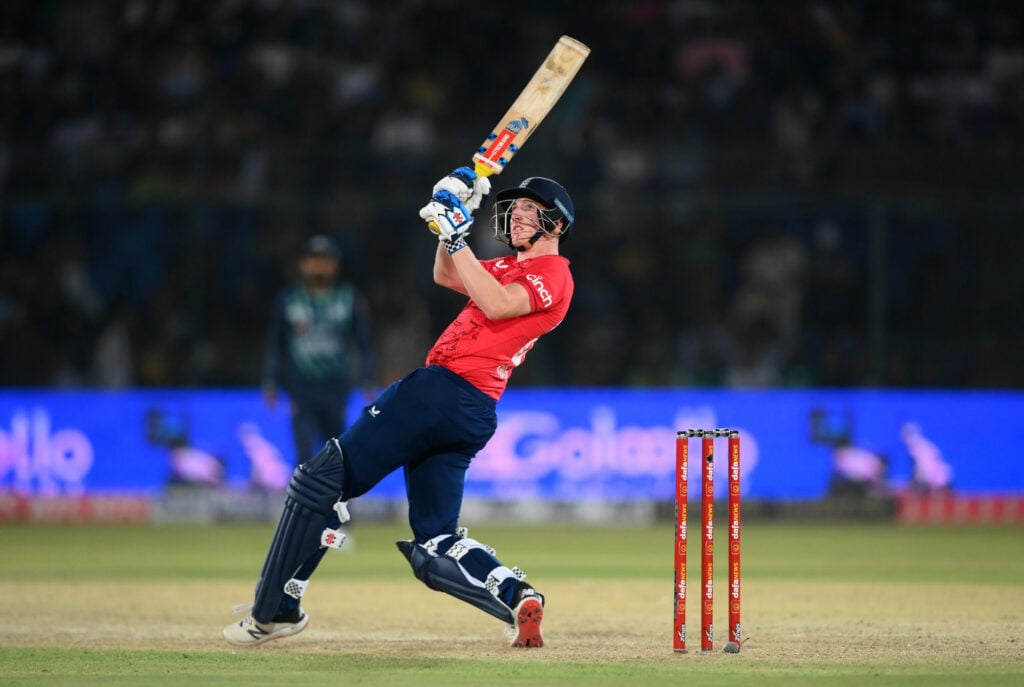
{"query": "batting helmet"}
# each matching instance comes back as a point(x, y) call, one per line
point(549, 194)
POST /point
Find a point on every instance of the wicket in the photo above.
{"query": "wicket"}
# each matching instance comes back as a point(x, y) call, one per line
point(707, 536)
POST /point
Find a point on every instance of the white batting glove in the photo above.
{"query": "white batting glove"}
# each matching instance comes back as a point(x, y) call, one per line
point(481, 189)
point(447, 216)
point(464, 184)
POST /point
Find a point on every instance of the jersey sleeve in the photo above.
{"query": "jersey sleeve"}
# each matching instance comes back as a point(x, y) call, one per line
point(549, 285)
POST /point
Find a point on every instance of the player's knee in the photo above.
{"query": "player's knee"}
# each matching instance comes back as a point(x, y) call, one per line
point(317, 483)
point(419, 560)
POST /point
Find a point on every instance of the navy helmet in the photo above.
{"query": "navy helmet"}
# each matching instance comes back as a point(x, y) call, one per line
point(549, 194)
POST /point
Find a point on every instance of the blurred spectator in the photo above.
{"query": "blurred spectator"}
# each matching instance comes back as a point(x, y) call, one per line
point(113, 363)
point(797, 119)
point(768, 305)
point(155, 156)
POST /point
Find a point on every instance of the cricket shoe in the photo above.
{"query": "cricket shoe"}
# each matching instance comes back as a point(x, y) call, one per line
point(527, 613)
point(248, 632)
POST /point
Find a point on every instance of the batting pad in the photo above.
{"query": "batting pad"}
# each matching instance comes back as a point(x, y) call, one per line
point(314, 489)
point(443, 573)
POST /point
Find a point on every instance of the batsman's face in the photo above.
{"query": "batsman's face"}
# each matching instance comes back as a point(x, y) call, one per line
point(525, 219)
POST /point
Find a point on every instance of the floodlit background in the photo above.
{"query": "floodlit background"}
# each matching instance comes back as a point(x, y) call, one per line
point(790, 197)
point(796, 194)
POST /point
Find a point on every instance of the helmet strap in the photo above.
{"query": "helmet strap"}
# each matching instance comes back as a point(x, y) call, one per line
point(529, 243)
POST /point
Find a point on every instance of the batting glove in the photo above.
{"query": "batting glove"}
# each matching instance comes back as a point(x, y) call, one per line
point(447, 216)
point(465, 185)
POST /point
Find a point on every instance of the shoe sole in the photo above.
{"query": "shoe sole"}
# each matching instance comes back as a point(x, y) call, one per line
point(528, 617)
point(290, 631)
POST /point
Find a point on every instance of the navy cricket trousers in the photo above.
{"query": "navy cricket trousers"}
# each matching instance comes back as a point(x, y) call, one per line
point(430, 423)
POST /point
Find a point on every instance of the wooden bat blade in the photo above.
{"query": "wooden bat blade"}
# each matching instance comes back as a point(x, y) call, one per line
point(532, 106)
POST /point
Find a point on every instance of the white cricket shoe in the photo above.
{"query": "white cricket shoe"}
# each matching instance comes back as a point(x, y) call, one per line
point(527, 614)
point(248, 632)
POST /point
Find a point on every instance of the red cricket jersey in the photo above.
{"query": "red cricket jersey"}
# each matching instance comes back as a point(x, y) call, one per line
point(483, 351)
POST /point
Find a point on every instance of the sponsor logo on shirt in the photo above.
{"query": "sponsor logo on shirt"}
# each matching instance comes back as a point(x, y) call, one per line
point(542, 291)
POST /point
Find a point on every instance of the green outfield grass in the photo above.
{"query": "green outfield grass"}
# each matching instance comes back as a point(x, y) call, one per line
point(823, 605)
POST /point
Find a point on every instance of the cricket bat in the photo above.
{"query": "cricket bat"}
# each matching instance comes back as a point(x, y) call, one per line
point(531, 107)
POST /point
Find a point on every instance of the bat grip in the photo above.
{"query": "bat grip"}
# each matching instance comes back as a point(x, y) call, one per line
point(481, 170)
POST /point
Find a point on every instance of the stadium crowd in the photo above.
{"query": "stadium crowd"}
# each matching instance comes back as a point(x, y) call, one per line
point(800, 193)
